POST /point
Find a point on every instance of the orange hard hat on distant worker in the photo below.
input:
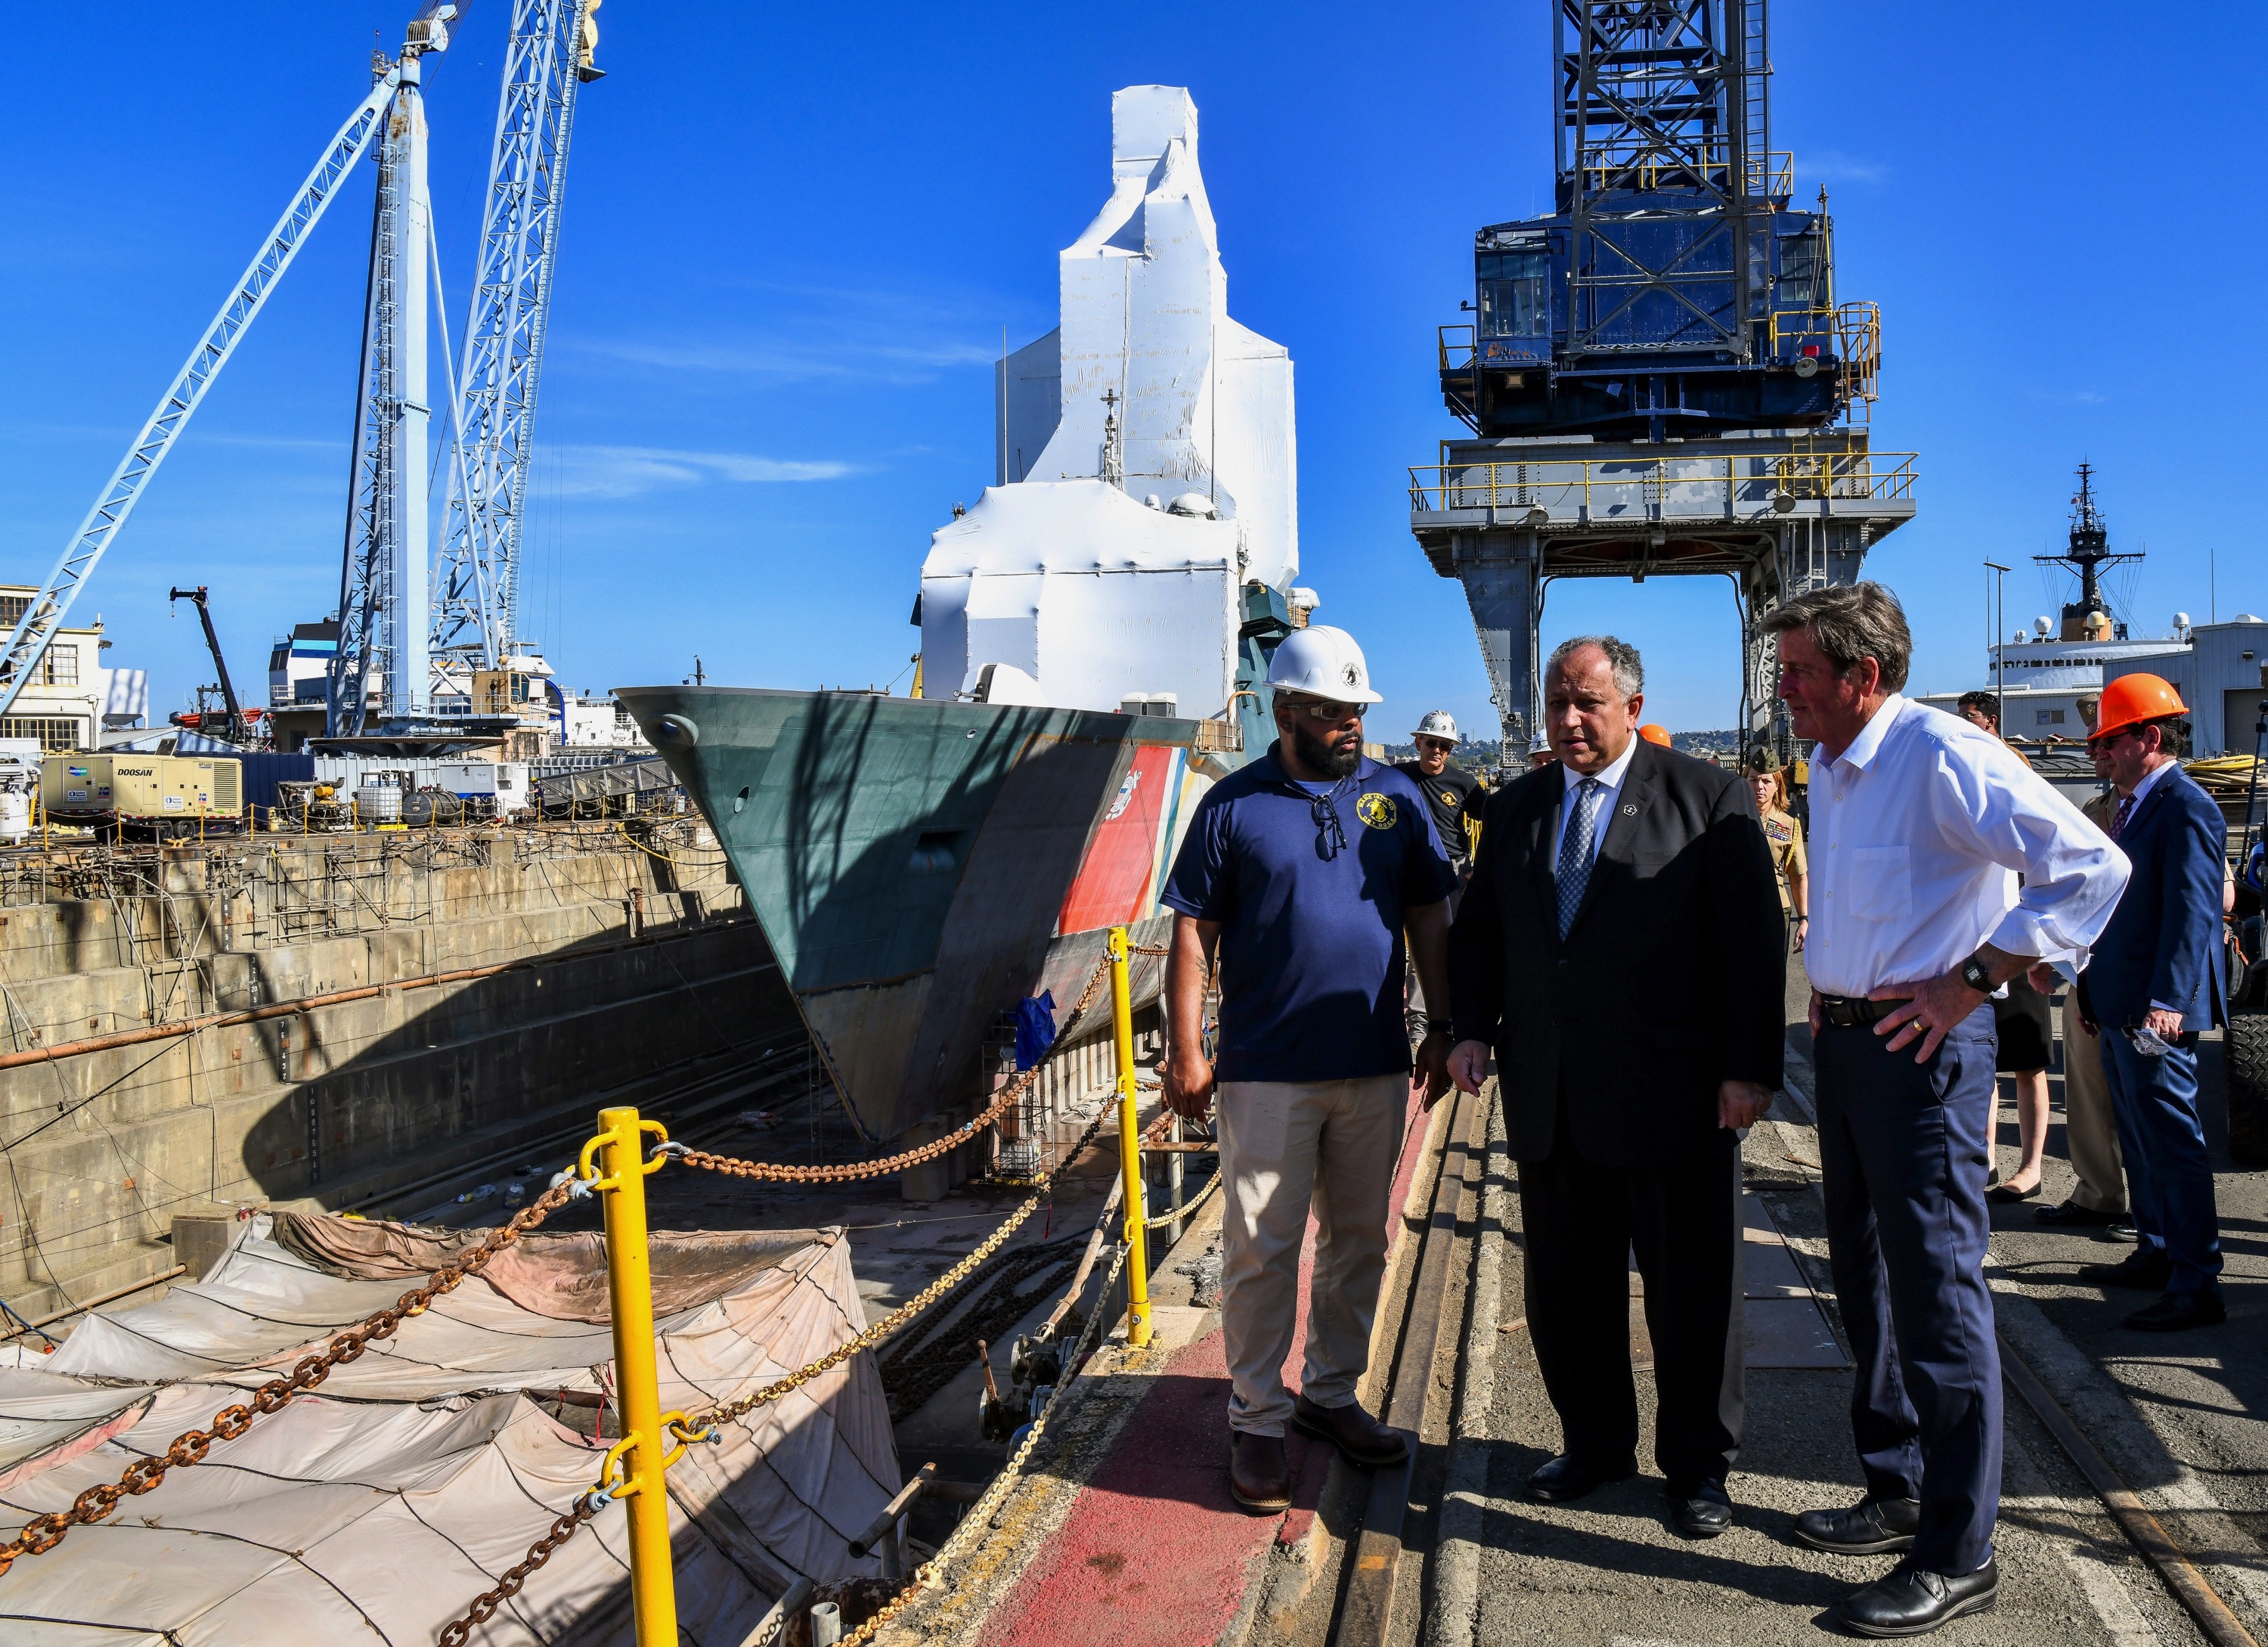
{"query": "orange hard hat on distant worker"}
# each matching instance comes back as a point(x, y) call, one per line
point(1655, 735)
point(2133, 699)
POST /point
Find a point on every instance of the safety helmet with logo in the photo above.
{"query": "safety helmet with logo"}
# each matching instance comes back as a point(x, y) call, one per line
point(2133, 699)
point(1438, 723)
point(1652, 733)
point(1322, 662)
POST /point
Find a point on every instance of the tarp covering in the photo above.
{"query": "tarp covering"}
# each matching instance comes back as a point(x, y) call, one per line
point(378, 1508)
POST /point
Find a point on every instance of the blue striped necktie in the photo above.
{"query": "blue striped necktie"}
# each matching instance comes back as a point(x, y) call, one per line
point(1575, 850)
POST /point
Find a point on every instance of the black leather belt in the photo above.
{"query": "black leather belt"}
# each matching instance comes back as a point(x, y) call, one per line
point(1847, 1012)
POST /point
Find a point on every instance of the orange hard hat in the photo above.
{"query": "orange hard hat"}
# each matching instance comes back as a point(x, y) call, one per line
point(2133, 698)
point(1655, 735)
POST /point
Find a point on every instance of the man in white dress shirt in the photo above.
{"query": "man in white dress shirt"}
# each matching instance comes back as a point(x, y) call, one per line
point(1920, 825)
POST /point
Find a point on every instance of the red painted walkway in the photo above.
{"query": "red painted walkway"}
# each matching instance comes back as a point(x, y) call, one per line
point(1155, 1553)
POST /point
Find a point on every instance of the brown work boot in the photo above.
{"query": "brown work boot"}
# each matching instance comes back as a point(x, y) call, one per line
point(1361, 1438)
point(1258, 1474)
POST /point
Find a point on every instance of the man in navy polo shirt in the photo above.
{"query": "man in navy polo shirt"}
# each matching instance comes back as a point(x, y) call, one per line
point(1304, 869)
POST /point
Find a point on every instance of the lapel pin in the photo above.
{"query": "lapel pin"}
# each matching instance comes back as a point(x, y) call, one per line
point(1630, 809)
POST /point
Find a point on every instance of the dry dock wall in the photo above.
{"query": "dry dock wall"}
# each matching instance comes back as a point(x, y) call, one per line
point(633, 971)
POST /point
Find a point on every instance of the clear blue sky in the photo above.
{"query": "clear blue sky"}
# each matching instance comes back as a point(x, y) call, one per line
point(794, 234)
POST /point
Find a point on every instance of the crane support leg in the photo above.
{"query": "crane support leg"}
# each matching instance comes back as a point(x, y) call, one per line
point(1499, 571)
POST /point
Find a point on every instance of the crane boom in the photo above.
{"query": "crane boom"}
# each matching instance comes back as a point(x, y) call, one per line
point(475, 579)
point(27, 642)
point(238, 727)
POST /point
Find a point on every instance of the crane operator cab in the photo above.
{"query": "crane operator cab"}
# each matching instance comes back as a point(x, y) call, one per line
point(1676, 290)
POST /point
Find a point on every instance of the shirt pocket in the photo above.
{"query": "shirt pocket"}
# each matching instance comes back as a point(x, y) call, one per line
point(1882, 884)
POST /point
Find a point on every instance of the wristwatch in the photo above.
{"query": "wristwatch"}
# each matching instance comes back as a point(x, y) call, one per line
point(1976, 975)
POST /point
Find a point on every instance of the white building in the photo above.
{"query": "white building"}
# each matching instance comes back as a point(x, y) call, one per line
point(1147, 467)
point(63, 707)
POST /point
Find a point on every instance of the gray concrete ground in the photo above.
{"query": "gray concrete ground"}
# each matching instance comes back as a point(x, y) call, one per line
point(2176, 1416)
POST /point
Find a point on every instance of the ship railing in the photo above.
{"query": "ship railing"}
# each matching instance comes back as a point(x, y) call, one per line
point(1690, 486)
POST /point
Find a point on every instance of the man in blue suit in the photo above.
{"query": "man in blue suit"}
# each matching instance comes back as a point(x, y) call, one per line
point(2152, 983)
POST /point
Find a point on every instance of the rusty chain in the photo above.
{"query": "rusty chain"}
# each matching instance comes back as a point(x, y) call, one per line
point(980, 1514)
point(782, 1172)
point(484, 1604)
point(42, 1533)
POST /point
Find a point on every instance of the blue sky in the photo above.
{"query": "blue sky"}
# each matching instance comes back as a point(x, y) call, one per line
point(794, 234)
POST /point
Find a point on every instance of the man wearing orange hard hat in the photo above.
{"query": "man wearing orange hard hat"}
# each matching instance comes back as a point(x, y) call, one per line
point(2152, 982)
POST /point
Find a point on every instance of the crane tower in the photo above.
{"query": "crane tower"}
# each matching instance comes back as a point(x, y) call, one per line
point(1658, 376)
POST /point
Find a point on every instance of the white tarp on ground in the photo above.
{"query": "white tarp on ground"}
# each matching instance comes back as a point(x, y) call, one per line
point(378, 1508)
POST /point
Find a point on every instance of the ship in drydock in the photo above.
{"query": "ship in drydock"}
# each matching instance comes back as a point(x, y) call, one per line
point(1095, 630)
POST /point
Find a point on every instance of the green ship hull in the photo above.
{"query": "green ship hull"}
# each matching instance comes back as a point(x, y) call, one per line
point(922, 865)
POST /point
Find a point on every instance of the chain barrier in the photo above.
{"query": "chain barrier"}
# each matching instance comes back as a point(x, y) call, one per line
point(1188, 1208)
point(42, 1533)
point(980, 1514)
point(484, 1604)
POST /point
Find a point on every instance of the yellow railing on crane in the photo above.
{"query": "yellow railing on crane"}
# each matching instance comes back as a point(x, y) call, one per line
point(1688, 484)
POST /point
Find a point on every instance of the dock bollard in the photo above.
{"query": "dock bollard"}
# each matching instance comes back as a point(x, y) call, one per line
point(1130, 1148)
point(644, 1448)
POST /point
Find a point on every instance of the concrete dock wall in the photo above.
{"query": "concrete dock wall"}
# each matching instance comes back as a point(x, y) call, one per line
point(640, 973)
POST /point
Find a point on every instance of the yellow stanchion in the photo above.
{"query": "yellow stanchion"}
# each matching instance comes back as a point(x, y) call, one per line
point(1130, 1149)
point(633, 1465)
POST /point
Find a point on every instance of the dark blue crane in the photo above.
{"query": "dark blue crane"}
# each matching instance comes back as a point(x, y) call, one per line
point(1674, 289)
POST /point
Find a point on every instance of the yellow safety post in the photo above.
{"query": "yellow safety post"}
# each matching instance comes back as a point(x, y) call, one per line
point(634, 1466)
point(1130, 1148)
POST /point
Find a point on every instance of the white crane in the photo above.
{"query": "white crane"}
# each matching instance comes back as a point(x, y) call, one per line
point(476, 569)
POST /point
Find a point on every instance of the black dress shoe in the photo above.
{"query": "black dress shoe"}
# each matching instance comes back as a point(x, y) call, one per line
point(1567, 1478)
point(1700, 1511)
point(2120, 1229)
point(1911, 1602)
point(2070, 1214)
point(2006, 1192)
point(2146, 1267)
point(2178, 1311)
point(1873, 1526)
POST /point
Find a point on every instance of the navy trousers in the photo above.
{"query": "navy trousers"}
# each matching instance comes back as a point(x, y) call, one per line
point(1582, 1224)
point(2169, 1166)
point(1903, 1149)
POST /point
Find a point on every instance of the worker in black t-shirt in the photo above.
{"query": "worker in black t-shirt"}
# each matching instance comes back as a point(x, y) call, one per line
point(1453, 794)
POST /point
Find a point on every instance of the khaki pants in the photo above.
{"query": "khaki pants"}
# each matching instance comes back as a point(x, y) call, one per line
point(2090, 1131)
point(1283, 1146)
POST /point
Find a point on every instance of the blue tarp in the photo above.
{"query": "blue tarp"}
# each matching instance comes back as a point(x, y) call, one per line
point(1035, 1028)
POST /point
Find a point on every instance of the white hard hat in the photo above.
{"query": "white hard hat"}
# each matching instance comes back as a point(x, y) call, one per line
point(1438, 723)
point(1322, 662)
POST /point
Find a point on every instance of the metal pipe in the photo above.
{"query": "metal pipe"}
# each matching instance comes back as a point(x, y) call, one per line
point(879, 1529)
point(644, 1448)
point(1130, 1148)
point(826, 1624)
point(111, 1297)
point(284, 1009)
point(768, 1626)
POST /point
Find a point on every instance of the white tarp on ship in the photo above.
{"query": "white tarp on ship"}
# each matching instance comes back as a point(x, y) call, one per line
point(1148, 466)
point(378, 1508)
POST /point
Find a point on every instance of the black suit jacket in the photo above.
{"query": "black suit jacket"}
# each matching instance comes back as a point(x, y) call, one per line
point(1671, 981)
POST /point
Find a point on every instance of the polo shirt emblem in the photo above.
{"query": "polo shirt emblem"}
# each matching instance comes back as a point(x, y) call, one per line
point(1377, 810)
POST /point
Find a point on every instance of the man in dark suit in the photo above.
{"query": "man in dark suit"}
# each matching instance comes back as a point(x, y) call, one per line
point(2152, 983)
point(1620, 950)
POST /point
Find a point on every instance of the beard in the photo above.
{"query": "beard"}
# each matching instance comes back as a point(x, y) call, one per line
point(1317, 753)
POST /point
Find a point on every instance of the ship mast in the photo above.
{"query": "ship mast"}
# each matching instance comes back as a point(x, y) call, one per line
point(2087, 553)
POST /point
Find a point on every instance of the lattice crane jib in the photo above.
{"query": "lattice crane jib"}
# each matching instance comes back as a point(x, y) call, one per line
point(476, 569)
point(27, 642)
point(382, 585)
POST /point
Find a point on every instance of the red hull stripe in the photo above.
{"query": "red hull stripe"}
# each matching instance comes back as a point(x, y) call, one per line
point(1112, 886)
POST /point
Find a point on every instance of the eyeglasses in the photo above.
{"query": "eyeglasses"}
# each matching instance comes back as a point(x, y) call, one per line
point(1331, 832)
point(1326, 709)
